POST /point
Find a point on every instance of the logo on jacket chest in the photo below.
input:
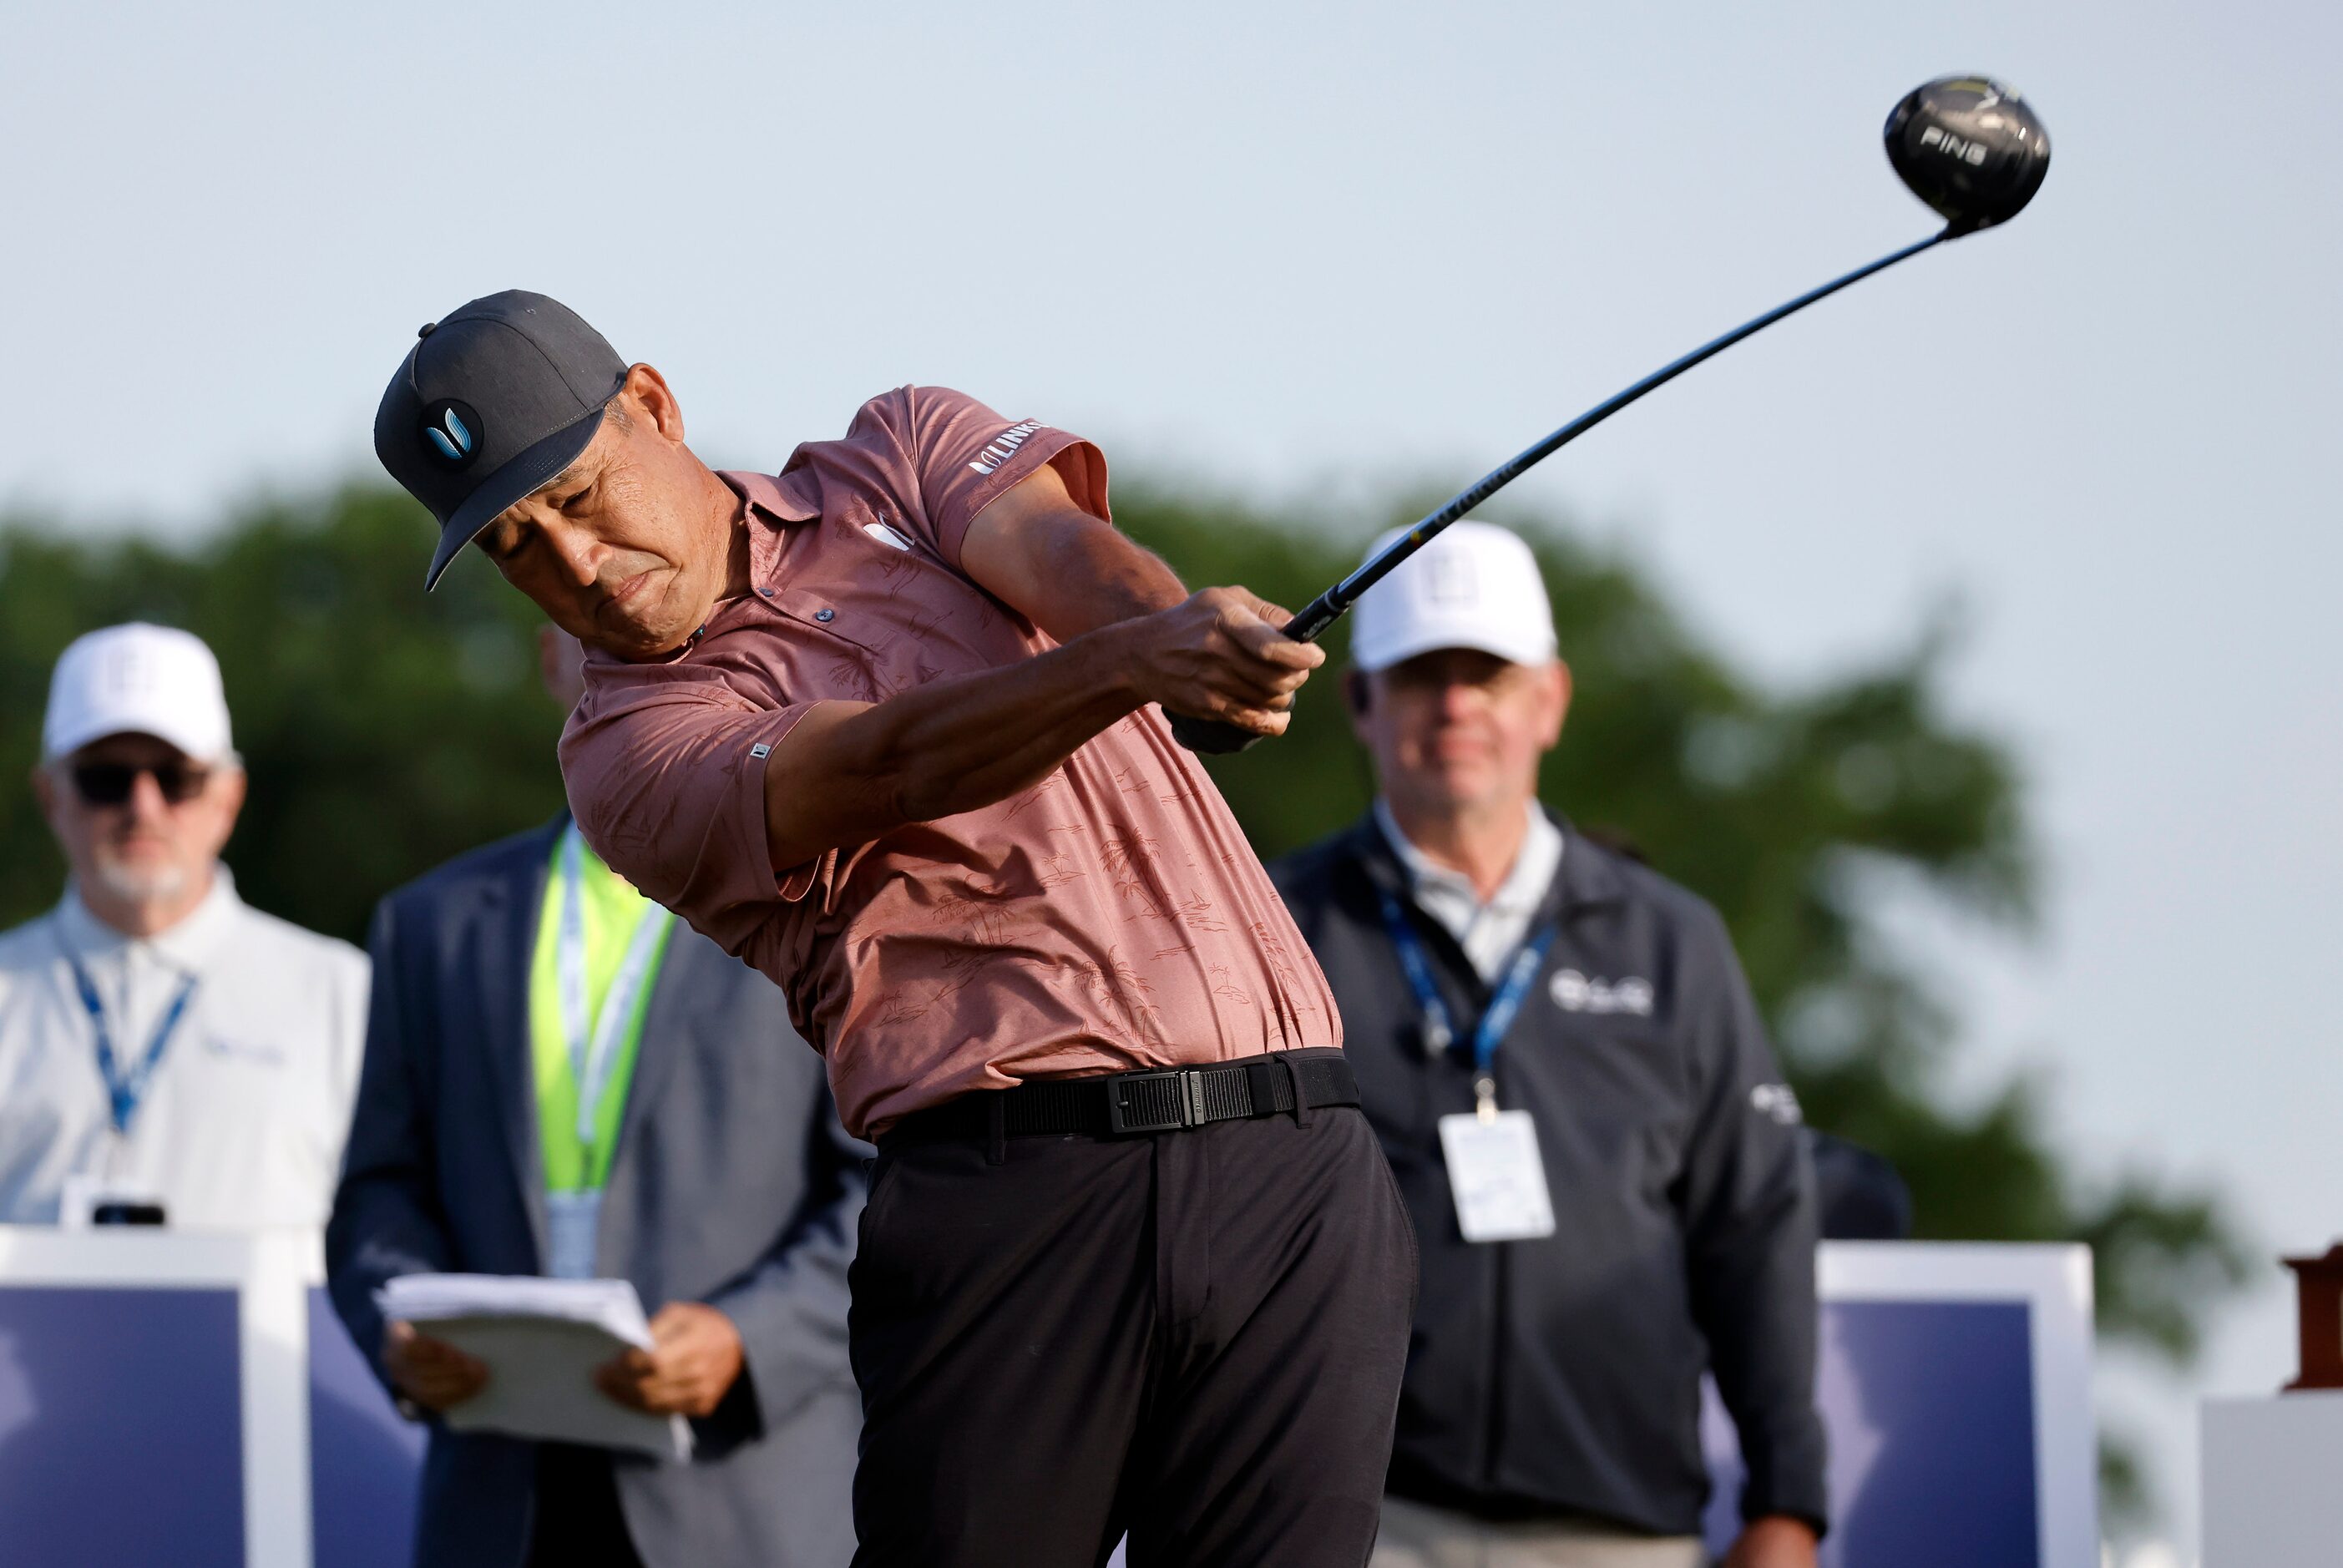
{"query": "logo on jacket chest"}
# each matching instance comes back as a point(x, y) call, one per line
point(1574, 992)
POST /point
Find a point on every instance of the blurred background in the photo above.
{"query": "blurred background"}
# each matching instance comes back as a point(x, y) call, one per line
point(1969, 641)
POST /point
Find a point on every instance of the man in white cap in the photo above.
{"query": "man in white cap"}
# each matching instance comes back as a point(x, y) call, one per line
point(170, 1054)
point(1559, 1053)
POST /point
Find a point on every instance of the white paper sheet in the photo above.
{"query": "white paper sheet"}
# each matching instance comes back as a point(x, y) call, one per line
point(541, 1340)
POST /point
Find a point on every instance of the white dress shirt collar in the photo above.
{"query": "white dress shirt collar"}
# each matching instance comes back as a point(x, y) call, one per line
point(1488, 932)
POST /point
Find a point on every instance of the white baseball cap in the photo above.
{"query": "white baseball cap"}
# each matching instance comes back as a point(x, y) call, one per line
point(1473, 586)
point(137, 680)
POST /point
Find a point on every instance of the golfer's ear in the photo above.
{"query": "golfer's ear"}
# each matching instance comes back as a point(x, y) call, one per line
point(650, 399)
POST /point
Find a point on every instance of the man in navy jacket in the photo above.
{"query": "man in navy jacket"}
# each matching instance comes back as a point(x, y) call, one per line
point(706, 1166)
point(1559, 1053)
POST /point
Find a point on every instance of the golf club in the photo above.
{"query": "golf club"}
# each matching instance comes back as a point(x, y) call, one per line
point(1969, 147)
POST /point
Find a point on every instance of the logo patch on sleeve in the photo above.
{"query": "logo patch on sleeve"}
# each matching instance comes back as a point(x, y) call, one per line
point(1003, 447)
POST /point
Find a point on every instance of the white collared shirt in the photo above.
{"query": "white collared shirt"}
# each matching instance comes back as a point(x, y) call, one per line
point(243, 1122)
point(1489, 933)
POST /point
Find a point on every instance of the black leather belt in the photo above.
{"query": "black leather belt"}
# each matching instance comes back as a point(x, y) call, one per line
point(1131, 1104)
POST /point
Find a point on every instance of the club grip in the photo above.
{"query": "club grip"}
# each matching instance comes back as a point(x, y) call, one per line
point(1209, 737)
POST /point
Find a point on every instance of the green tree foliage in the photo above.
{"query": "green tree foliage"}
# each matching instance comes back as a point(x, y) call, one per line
point(385, 730)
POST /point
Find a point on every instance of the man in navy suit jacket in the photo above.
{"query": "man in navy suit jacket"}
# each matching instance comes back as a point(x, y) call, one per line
point(723, 1188)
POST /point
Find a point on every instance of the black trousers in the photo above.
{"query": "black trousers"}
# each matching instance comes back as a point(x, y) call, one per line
point(1196, 1337)
point(579, 1522)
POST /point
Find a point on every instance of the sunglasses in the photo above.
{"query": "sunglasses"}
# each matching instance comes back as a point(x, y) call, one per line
point(110, 783)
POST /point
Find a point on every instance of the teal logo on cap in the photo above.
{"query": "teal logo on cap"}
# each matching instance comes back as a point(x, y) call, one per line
point(451, 432)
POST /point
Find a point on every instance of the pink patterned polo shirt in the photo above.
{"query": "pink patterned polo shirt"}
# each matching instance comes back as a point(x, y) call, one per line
point(1112, 917)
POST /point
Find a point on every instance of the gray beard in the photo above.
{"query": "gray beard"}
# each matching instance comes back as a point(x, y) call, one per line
point(156, 887)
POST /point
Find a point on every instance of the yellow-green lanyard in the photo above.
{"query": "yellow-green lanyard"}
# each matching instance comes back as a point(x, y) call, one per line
point(594, 1048)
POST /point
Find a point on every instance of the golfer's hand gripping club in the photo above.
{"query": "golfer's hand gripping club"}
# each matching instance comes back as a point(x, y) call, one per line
point(1214, 738)
point(1226, 650)
point(1966, 146)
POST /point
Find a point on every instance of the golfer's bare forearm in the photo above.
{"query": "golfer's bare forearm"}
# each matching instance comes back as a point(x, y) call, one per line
point(982, 738)
point(850, 771)
point(1130, 634)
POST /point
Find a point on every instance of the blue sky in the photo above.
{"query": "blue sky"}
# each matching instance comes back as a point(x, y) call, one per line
point(1306, 251)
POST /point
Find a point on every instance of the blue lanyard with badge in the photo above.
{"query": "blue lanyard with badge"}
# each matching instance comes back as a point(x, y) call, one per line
point(125, 1086)
point(573, 1219)
point(1494, 1170)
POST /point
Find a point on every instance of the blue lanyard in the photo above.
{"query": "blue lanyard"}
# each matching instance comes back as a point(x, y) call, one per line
point(1513, 989)
point(124, 1090)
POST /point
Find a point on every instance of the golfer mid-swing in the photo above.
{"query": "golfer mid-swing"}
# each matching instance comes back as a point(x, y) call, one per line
point(886, 724)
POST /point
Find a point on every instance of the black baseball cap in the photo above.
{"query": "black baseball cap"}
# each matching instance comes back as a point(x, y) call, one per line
point(493, 401)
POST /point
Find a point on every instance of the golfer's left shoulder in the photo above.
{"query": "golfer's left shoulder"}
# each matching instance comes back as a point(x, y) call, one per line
point(917, 417)
point(946, 432)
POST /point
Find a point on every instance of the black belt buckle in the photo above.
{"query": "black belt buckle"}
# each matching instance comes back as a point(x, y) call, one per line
point(1166, 1101)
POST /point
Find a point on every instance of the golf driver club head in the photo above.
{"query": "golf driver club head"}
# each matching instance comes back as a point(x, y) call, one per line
point(1966, 146)
point(1970, 148)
